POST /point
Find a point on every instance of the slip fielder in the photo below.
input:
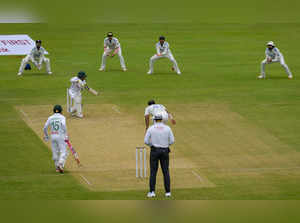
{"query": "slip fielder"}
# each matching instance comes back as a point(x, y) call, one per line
point(58, 132)
point(163, 51)
point(112, 47)
point(37, 57)
point(273, 55)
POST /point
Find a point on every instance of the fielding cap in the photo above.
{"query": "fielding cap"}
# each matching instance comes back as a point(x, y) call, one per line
point(270, 43)
point(110, 34)
point(38, 41)
point(162, 38)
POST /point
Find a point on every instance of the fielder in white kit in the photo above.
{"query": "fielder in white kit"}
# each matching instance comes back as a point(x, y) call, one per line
point(37, 57)
point(273, 55)
point(112, 47)
point(163, 51)
point(57, 124)
point(78, 83)
point(157, 109)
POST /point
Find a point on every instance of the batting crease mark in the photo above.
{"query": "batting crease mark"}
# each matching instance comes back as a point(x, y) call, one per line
point(262, 169)
point(86, 180)
point(197, 175)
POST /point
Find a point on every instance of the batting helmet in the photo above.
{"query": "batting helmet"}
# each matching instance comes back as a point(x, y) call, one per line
point(151, 102)
point(57, 109)
point(162, 38)
point(81, 75)
point(28, 67)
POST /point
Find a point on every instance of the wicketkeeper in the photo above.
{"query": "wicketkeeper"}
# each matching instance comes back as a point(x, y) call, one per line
point(57, 124)
point(163, 51)
point(273, 55)
point(112, 47)
point(37, 57)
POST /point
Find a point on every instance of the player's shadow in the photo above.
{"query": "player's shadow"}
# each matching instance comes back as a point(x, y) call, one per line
point(278, 78)
point(163, 74)
point(35, 74)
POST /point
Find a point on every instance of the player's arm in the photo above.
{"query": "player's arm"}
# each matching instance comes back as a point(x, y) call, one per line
point(64, 129)
point(33, 60)
point(171, 137)
point(46, 136)
point(171, 117)
point(277, 52)
point(147, 139)
point(41, 57)
point(166, 50)
point(147, 121)
point(268, 58)
point(157, 50)
point(116, 49)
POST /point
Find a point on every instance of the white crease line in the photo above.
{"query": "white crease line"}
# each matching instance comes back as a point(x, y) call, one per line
point(86, 180)
point(197, 175)
point(26, 116)
point(263, 169)
point(116, 109)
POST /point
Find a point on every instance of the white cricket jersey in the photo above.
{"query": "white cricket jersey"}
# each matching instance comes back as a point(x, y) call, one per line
point(163, 49)
point(76, 85)
point(274, 53)
point(155, 109)
point(111, 44)
point(159, 135)
point(37, 54)
point(57, 124)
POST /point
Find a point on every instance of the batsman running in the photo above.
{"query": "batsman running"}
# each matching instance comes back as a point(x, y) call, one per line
point(112, 47)
point(74, 98)
point(37, 57)
point(57, 124)
point(154, 109)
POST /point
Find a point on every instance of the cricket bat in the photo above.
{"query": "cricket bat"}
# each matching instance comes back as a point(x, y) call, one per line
point(91, 90)
point(74, 153)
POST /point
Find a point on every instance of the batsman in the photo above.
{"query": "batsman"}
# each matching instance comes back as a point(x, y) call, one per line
point(57, 124)
point(74, 98)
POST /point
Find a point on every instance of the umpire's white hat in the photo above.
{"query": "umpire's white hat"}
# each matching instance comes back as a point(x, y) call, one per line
point(270, 43)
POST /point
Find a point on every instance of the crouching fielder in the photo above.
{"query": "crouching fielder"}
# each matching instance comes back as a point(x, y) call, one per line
point(112, 47)
point(163, 51)
point(273, 55)
point(57, 124)
point(37, 57)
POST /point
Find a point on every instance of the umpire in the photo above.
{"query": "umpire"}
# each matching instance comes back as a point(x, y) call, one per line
point(159, 137)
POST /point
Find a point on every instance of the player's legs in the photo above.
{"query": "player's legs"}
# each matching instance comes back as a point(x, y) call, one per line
point(63, 153)
point(262, 69)
point(285, 66)
point(78, 106)
point(24, 61)
point(55, 151)
point(122, 61)
point(175, 65)
point(47, 62)
point(104, 57)
point(152, 60)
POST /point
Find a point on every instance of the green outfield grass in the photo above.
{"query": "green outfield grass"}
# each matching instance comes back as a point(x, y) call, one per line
point(219, 56)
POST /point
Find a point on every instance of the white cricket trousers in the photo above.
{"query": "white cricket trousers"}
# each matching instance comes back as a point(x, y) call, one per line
point(76, 103)
point(107, 52)
point(169, 56)
point(276, 60)
point(29, 58)
point(59, 150)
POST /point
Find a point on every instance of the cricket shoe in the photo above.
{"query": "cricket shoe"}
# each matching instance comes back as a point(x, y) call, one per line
point(290, 77)
point(50, 73)
point(168, 194)
point(79, 115)
point(151, 194)
point(178, 72)
point(101, 69)
point(124, 69)
point(57, 170)
point(61, 169)
point(149, 72)
point(19, 74)
point(261, 76)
